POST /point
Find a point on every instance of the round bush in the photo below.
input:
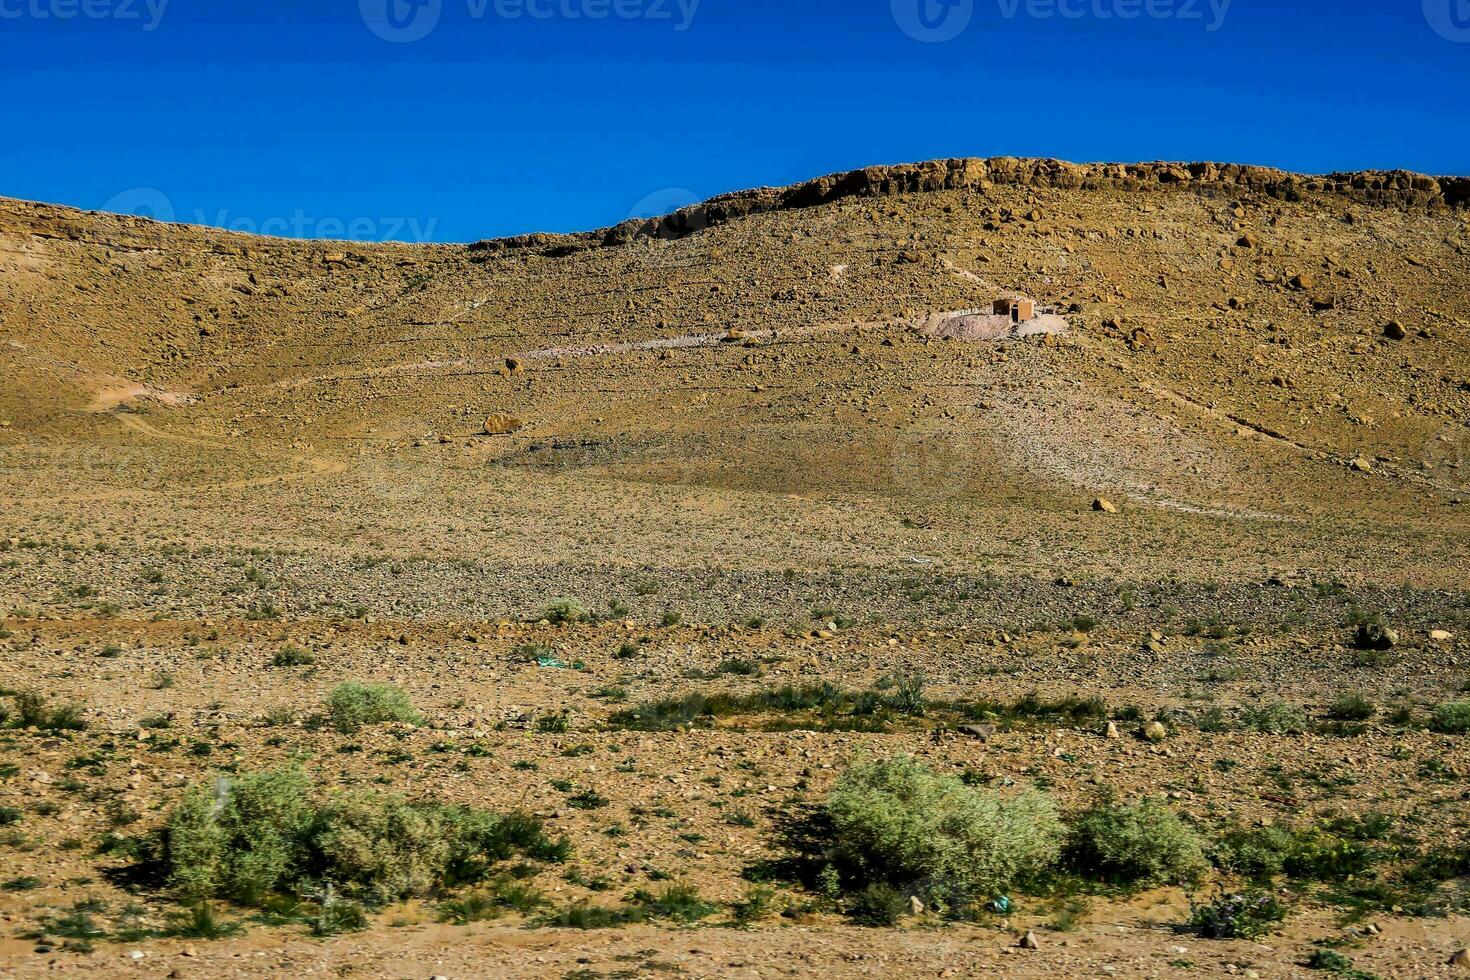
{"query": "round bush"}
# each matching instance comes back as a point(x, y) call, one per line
point(1452, 718)
point(353, 705)
point(898, 822)
point(1142, 844)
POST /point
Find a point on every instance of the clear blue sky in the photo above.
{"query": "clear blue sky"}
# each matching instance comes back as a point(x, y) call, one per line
point(295, 116)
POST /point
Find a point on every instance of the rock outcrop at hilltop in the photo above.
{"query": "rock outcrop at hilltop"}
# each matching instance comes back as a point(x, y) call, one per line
point(1391, 188)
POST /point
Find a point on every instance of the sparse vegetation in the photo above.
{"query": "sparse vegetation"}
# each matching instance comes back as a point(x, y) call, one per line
point(1452, 718)
point(902, 697)
point(898, 823)
point(292, 656)
point(700, 413)
point(33, 711)
point(202, 921)
point(352, 706)
point(1144, 843)
point(563, 611)
point(1352, 707)
point(248, 838)
point(1239, 915)
point(1275, 718)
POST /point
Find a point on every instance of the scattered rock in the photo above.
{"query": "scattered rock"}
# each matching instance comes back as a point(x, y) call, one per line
point(1154, 731)
point(981, 732)
point(1394, 330)
point(1441, 636)
point(1029, 941)
point(1111, 731)
point(1104, 505)
point(1375, 636)
point(1361, 465)
point(1461, 959)
point(916, 907)
point(501, 424)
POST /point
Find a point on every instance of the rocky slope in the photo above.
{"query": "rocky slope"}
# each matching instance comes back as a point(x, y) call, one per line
point(736, 435)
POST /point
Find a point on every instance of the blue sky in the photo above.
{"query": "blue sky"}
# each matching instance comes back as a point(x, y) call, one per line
point(257, 115)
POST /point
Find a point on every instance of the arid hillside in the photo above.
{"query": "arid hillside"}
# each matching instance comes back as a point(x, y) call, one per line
point(780, 438)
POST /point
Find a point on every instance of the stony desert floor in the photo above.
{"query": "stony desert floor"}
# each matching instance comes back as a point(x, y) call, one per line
point(236, 473)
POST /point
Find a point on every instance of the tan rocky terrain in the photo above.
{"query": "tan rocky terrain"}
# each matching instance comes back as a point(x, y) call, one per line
point(738, 442)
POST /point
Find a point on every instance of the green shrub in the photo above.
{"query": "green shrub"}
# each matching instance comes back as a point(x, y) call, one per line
point(562, 611)
point(1243, 915)
point(877, 905)
point(238, 838)
point(353, 705)
point(584, 916)
point(31, 711)
point(292, 656)
point(756, 905)
point(1352, 707)
point(1451, 718)
point(382, 850)
point(908, 694)
point(1311, 854)
point(336, 915)
point(474, 907)
point(588, 799)
point(1258, 854)
point(1331, 961)
point(1276, 718)
point(202, 922)
point(1322, 856)
point(246, 838)
point(897, 822)
point(1140, 844)
point(677, 903)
